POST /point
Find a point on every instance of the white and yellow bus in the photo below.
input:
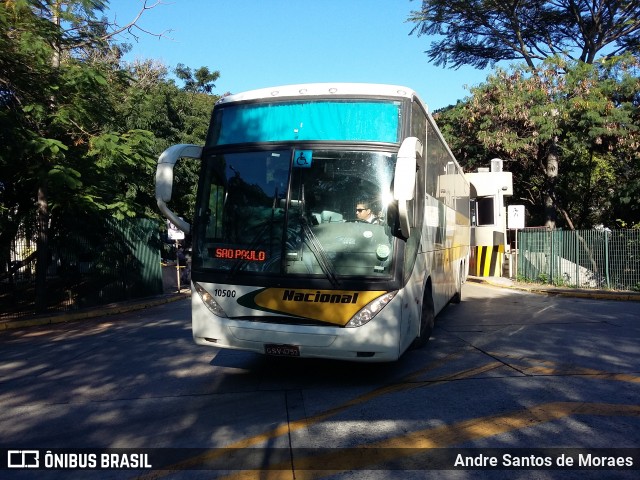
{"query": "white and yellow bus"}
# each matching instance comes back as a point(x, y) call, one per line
point(332, 221)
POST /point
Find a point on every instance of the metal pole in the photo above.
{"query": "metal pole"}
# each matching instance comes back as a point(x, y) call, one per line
point(516, 254)
point(576, 234)
point(606, 257)
point(551, 259)
point(178, 266)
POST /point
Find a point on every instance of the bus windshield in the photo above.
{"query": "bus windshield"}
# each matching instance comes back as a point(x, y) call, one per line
point(295, 212)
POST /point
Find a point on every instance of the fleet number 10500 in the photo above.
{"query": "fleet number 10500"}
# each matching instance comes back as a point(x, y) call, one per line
point(219, 292)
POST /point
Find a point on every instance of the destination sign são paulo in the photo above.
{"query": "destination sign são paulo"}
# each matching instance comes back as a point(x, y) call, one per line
point(241, 253)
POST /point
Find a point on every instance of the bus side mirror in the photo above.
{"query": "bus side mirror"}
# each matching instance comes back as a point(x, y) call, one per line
point(164, 179)
point(404, 182)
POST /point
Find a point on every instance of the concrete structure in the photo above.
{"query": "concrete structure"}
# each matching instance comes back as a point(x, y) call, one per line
point(489, 186)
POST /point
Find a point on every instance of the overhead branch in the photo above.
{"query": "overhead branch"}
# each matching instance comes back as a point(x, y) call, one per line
point(133, 24)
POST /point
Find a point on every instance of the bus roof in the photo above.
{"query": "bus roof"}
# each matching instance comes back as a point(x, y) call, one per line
point(322, 89)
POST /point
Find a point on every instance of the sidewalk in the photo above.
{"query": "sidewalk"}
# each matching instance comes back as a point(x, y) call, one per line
point(95, 312)
point(557, 291)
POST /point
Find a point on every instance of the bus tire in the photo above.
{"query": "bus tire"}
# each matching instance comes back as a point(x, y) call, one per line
point(457, 297)
point(427, 321)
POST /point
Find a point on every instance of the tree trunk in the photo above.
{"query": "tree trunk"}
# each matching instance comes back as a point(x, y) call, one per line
point(42, 214)
point(42, 245)
point(551, 169)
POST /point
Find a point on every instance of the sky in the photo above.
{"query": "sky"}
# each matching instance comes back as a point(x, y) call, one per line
point(264, 43)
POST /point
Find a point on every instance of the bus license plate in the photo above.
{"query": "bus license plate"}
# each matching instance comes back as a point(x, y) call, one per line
point(282, 350)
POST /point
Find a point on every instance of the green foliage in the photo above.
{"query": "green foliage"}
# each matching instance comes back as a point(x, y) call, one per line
point(568, 120)
point(174, 115)
point(118, 159)
point(199, 81)
point(589, 112)
point(483, 32)
point(80, 128)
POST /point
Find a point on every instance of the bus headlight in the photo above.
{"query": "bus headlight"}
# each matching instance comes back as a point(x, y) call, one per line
point(370, 310)
point(208, 300)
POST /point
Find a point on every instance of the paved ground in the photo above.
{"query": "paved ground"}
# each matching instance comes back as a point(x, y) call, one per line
point(99, 311)
point(116, 308)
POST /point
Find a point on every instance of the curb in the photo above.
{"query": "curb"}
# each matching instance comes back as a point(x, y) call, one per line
point(107, 310)
point(560, 292)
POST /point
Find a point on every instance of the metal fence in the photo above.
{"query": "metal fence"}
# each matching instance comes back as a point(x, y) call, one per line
point(111, 262)
point(602, 259)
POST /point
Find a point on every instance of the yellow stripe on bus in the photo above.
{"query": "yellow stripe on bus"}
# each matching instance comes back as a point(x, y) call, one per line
point(331, 306)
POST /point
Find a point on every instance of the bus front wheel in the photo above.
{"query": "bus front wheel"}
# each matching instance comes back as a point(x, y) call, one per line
point(427, 321)
point(457, 297)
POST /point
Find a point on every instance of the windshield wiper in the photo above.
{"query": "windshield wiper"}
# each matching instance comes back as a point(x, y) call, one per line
point(319, 252)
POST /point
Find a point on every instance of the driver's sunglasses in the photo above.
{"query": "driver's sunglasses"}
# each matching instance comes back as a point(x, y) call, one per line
point(361, 209)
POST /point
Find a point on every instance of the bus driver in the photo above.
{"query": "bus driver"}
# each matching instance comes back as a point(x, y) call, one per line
point(364, 213)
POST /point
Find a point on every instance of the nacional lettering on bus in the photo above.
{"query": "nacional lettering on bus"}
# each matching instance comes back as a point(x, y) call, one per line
point(319, 297)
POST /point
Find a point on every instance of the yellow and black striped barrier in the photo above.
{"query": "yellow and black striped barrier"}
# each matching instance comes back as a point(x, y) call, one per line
point(488, 261)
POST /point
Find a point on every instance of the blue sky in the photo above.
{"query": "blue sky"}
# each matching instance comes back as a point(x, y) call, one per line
point(263, 43)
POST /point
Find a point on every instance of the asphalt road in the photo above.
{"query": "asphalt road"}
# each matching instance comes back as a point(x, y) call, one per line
point(510, 377)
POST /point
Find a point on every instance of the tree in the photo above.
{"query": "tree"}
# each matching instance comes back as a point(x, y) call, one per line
point(56, 104)
point(591, 112)
point(485, 32)
point(174, 115)
point(69, 150)
point(199, 81)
